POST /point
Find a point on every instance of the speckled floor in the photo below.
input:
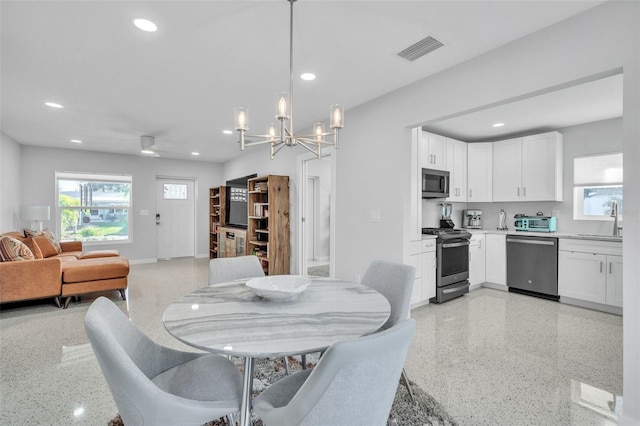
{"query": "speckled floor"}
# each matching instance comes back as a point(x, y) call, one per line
point(490, 357)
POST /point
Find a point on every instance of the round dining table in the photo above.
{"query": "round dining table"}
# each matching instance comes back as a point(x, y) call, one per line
point(230, 319)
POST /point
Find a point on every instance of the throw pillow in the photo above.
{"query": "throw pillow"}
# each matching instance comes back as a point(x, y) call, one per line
point(33, 246)
point(12, 250)
point(45, 245)
point(46, 233)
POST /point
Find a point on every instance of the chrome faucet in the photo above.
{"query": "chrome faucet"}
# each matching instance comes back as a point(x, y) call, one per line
point(614, 215)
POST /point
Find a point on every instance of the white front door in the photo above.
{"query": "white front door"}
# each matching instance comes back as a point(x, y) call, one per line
point(175, 222)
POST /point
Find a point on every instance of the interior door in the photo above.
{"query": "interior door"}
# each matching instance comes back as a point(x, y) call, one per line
point(315, 248)
point(175, 218)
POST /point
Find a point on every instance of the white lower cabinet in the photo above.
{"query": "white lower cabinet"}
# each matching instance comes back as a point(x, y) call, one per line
point(496, 259)
point(415, 260)
point(428, 271)
point(477, 259)
point(590, 271)
point(423, 258)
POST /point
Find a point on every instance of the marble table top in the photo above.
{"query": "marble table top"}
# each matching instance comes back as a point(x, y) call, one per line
point(231, 319)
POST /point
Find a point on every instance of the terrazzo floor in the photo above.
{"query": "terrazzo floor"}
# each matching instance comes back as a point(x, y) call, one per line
point(490, 357)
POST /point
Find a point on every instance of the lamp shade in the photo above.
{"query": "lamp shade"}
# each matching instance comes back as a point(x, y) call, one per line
point(35, 213)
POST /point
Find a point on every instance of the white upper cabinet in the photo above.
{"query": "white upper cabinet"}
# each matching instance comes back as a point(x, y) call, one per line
point(528, 168)
point(433, 149)
point(457, 166)
point(479, 171)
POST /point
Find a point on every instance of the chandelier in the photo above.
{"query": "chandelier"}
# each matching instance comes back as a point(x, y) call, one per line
point(282, 135)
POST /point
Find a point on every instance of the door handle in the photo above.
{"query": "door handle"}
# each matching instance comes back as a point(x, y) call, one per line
point(157, 218)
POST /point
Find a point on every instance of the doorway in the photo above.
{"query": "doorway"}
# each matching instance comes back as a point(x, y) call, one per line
point(316, 215)
point(175, 222)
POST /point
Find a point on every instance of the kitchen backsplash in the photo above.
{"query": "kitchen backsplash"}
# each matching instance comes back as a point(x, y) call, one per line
point(432, 209)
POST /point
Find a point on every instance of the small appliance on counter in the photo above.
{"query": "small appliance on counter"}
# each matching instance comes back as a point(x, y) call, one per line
point(472, 219)
point(502, 221)
point(535, 223)
point(445, 219)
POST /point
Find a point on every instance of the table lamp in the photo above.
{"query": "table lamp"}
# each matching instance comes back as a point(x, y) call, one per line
point(35, 214)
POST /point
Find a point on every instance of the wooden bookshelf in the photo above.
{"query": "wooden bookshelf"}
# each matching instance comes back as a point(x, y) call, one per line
point(268, 232)
point(217, 203)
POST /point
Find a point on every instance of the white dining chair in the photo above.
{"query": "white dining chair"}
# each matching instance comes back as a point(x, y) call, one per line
point(156, 385)
point(225, 269)
point(354, 383)
point(395, 282)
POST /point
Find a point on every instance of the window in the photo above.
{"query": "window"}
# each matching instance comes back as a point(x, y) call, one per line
point(93, 207)
point(597, 183)
point(175, 191)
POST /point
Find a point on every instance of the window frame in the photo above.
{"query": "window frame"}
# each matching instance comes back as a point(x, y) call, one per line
point(578, 190)
point(100, 178)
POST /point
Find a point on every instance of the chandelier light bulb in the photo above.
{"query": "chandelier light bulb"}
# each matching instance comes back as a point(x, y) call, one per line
point(318, 130)
point(336, 114)
point(282, 106)
point(271, 132)
point(242, 118)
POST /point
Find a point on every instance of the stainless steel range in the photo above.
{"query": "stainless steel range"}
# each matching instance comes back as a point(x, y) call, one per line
point(452, 255)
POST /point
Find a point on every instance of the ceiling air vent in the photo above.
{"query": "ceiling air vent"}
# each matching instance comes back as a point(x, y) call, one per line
point(421, 48)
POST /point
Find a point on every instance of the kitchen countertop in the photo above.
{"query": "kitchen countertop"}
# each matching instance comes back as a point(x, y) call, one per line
point(576, 236)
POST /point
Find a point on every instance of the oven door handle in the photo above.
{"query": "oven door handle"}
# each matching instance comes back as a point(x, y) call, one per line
point(456, 244)
point(451, 290)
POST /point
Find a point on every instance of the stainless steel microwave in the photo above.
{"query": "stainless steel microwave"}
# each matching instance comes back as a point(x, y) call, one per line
point(435, 183)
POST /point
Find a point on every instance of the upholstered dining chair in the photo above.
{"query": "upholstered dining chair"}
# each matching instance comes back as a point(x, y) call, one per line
point(395, 282)
point(155, 385)
point(354, 383)
point(232, 268)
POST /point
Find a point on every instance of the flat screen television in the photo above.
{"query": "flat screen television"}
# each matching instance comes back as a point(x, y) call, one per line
point(237, 199)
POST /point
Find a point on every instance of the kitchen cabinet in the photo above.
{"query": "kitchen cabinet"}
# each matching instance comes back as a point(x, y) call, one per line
point(477, 260)
point(414, 227)
point(423, 257)
point(456, 158)
point(496, 260)
point(528, 168)
point(479, 172)
point(415, 260)
point(433, 151)
point(429, 265)
point(590, 271)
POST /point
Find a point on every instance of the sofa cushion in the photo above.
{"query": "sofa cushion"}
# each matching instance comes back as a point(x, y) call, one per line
point(46, 247)
point(94, 269)
point(48, 234)
point(13, 250)
point(99, 253)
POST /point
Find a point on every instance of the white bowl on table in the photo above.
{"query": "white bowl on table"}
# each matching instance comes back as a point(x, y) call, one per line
point(279, 287)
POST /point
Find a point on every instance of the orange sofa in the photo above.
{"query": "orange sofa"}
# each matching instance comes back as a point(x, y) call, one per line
point(69, 273)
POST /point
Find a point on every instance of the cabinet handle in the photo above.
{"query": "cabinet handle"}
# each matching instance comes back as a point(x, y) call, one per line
point(518, 191)
point(610, 268)
point(470, 193)
point(524, 191)
point(601, 266)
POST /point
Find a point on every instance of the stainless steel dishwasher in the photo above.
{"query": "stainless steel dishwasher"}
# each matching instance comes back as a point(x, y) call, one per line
point(532, 265)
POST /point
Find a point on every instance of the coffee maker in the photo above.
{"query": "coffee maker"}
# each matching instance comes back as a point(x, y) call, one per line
point(472, 219)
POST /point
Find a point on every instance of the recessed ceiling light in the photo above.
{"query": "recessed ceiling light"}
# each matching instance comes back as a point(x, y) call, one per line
point(308, 76)
point(144, 24)
point(497, 125)
point(195, 153)
point(227, 132)
point(147, 151)
point(53, 105)
point(76, 141)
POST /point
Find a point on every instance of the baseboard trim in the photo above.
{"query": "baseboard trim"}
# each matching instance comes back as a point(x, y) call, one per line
point(141, 261)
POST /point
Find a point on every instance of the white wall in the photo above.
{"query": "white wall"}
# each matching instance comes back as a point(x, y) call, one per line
point(38, 183)
point(10, 185)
